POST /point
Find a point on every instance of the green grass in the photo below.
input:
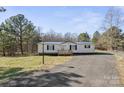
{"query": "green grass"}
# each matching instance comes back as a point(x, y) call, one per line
point(14, 66)
point(31, 62)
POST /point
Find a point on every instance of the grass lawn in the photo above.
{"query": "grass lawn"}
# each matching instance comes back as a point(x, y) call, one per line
point(13, 66)
point(120, 65)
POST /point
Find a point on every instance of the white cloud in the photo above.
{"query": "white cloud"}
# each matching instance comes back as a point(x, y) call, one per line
point(88, 21)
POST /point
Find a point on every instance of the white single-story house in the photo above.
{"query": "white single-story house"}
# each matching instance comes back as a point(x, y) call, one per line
point(65, 47)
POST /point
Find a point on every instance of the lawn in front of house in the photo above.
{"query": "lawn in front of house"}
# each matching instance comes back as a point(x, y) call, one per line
point(14, 66)
point(32, 62)
point(120, 65)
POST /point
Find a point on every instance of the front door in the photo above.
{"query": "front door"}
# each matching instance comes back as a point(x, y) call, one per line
point(63, 47)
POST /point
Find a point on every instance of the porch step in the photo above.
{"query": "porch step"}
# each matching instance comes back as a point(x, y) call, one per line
point(65, 52)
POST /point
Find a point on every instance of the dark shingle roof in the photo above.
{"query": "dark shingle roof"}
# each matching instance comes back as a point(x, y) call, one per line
point(65, 42)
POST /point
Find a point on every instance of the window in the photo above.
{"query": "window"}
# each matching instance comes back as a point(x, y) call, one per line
point(73, 47)
point(53, 47)
point(50, 47)
point(70, 47)
point(87, 46)
point(47, 47)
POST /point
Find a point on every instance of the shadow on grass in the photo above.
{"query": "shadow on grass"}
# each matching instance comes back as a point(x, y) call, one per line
point(95, 53)
point(76, 54)
point(9, 72)
point(40, 79)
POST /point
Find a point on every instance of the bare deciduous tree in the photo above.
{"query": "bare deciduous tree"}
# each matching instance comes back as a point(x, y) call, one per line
point(2, 9)
point(112, 24)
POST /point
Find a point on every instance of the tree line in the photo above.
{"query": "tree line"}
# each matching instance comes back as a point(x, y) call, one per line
point(52, 36)
point(113, 37)
point(19, 36)
point(16, 35)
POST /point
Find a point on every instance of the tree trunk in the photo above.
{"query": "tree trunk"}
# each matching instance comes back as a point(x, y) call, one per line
point(21, 42)
point(13, 50)
point(21, 46)
point(27, 47)
point(32, 49)
point(4, 54)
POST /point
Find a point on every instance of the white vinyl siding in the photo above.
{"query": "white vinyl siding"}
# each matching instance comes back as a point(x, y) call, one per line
point(54, 47)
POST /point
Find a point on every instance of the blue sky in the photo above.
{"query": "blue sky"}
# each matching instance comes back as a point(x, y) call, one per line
point(61, 19)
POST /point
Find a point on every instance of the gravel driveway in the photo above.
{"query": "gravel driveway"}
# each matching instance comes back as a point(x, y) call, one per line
point(92, 70)
point(81, 71)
